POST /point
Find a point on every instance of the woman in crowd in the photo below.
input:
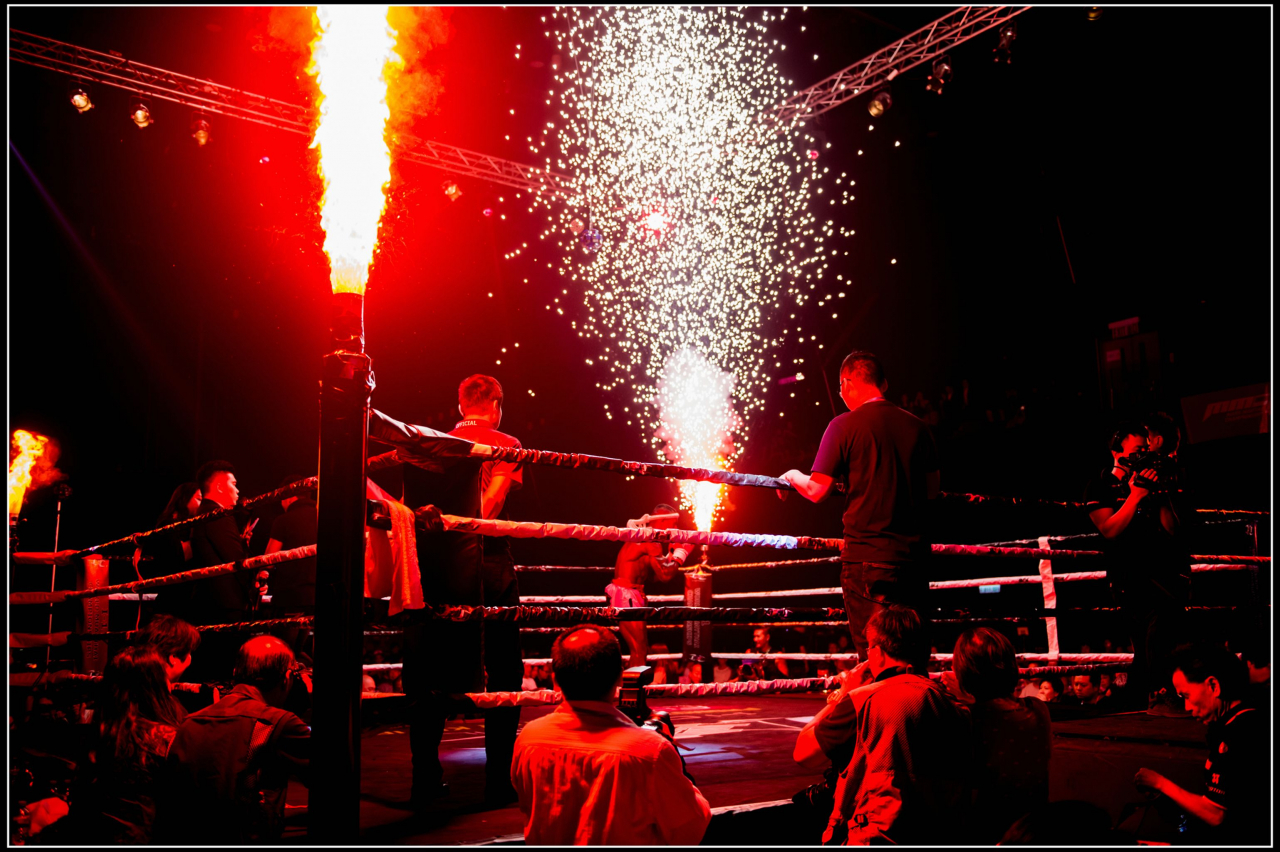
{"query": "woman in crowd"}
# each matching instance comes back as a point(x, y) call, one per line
point(169, 553)
point(1050, 690)
point(1012, 737)
point(137, 721)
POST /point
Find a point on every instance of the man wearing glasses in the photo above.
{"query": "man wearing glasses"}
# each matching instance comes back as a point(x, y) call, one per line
point(888, 463)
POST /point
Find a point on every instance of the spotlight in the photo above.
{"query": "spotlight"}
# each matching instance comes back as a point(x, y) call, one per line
point(200, 130)
point(451, 190)
point(1004, 48)
point(1095, 12)
point(80, 100)
point(940, 77)
point(140, 113)
point(880, 102)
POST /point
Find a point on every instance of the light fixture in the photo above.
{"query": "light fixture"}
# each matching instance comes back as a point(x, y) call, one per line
point(1004, 47)
point(1095, 12)
point(941, 75)
point(140, 114)
point(880, 102)
point(80, 100)
point(451, 190)
point(200, 130)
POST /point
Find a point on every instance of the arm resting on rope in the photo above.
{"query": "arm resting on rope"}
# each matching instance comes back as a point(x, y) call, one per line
point(814, 487)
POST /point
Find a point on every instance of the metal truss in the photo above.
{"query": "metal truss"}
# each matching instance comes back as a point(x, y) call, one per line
point(885, 64)
point(206, 96)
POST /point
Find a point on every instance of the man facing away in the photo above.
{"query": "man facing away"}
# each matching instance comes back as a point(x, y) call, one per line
point(889, 464)
point(637, 562)
point(588, 775)
point(229, 766)
point(480, 404)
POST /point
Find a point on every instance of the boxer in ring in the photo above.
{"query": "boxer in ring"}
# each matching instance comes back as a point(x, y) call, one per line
point(636, 562)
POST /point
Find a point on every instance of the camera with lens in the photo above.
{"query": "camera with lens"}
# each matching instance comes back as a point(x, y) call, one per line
point(631, 701)
point(1166, 479)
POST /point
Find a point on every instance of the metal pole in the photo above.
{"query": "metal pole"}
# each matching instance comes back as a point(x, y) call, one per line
point(345, 389)
point(697, 634)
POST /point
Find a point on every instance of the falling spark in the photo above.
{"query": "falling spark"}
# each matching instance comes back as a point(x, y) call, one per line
point(28, 449)
point(349, 59)
point(702, 209)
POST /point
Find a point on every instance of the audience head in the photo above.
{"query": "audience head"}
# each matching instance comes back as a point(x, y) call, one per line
point(217, 481)
point(481, 396)
point(1253, 646)
point(861, 378)
point(895, 637)
point(1130, 437)
point(174, 640)
point(184, 503)
point(760, 637)
point(985, 664)
point(1209, 678)
point(587, 663)
point(134, 687)
point(1088, 687)
point(1050, 689)
point(1163, 434)
point(665, 523)
point(266, 663)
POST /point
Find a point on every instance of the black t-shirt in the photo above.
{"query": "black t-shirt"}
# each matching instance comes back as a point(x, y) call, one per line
point(293, 584)
point(1145, 552)
point(884, 455)
point(1237, 776)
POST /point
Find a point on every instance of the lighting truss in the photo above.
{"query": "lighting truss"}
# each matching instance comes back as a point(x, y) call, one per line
point(112, 69)
point(921, 46)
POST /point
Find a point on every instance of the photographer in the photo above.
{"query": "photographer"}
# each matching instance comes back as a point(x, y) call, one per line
point(1146, 561)
point(588, 774)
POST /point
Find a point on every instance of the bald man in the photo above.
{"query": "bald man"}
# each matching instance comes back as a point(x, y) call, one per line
point(229, 766)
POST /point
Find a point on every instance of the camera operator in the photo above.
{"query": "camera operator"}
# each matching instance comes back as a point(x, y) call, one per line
point(1146, 560)
point(588, 774)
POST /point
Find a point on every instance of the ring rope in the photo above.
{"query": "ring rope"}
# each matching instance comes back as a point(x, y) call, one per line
point(254, 563)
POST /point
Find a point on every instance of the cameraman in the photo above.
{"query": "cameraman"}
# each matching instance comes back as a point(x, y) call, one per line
point(1146, 562)
point(588, 774)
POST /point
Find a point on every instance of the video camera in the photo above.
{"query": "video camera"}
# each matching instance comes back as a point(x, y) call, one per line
point(1166, 469)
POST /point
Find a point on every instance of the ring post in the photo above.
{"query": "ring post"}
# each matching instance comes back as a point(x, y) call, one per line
point(93, 615)
point(345, 390)
point(697, 634)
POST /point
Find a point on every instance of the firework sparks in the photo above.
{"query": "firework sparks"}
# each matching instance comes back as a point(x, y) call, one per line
point(350, 58)
point(28, 448)
point(703, 214)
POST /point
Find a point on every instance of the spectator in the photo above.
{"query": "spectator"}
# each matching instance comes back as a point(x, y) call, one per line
point(1236, 806)
point(174, 640)
point(1088, 689)
point(723, 671)
point(905, 780)
point(826, 743)
point(1255, 649)
point(229, 767)
point(586, 774)
point(528, 683)
point(137, 721)
point(293, 584)
point(169, 553)
point(368, 684)
point(761, 644)
point(1012, 740)
point(1051, 690)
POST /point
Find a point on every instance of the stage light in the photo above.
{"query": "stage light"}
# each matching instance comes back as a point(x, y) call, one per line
point(880, 102)
point(941, 75)
point(1004, 48)
point(1095, 12)
point(140, 113)
point(80, 100)
point(200, 130)
point(451, 190)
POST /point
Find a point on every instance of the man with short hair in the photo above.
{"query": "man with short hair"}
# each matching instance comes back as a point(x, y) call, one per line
point(761, 644)
point(1235, 808)
point(174, 640)
point(1146, 562)
point(588, 775)
point(1088, 688)
point(480, 404)
point(905, 780)
point(229, 767)
point(638, 562)
point(889, 465)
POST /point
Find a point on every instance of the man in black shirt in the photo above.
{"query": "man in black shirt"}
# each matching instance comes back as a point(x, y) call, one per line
point(1235, 808)
point(1147, 565)
point(889, 465)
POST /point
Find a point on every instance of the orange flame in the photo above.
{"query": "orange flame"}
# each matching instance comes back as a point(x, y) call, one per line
point(350, 59)
point(29, 449)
